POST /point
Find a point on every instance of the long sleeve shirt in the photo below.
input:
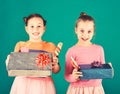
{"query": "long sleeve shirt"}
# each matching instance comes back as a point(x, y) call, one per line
point(83, 55)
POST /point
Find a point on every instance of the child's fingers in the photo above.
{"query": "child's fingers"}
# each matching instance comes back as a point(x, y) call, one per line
point(55, 62)
point(75, 70)
point(77, 74)
point(77, 77)
point(25, 47)
point(54, 65)
point(7, 60)
point(55, 59)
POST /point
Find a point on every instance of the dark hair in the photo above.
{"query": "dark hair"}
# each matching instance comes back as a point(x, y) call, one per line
point(34, 15)
point(84, 17)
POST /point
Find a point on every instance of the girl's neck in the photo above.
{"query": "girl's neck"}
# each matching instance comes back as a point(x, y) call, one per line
point(84, 44)
point(37, 40)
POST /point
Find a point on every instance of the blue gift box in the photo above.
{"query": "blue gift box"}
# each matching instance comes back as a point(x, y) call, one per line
point(102, 72)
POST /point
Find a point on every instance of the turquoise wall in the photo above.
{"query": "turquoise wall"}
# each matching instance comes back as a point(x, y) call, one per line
point(61, 16)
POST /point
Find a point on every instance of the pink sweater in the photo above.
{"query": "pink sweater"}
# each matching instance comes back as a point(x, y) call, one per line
point(83, 55)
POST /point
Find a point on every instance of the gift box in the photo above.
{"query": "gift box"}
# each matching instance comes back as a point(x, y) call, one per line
point(96, 72)
point(32, 63)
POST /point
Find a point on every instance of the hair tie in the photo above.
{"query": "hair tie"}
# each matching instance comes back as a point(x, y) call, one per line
point(25, 19)
point(83, 14)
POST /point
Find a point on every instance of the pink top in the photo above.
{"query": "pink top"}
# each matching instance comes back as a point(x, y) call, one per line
point(83, 55)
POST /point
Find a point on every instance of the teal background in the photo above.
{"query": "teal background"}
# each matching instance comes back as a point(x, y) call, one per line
point(61, 16)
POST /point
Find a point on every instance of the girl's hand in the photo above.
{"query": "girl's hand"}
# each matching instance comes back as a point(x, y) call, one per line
point(55, 65)
point(55, 61)
point(24, 49)
point(76, 74)
point(7, 60)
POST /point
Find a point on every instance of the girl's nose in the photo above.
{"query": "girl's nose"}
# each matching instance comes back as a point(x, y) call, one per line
point(35, 29)
point(85, 35)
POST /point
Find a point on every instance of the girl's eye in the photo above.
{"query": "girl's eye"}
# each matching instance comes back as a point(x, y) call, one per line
point(89, 31)
point(32, 26)
point(82, 31)
point(39, 26)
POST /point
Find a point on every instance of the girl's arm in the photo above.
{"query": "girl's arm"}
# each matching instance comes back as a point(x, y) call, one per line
point(55, 65)
point(68, 68)
point(16, 49)
point(18, 46)
point(102, 57)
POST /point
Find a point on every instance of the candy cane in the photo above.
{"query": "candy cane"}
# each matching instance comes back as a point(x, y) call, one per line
point(74, 63)
point(58, 48)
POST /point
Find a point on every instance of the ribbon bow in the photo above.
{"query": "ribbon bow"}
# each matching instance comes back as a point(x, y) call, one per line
point(42, 60)
point(96, 64)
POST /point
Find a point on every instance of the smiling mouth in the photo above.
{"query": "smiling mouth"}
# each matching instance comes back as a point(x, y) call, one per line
point(36, 34)
point(84, 39)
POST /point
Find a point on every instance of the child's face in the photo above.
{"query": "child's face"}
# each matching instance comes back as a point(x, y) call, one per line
point(85, 30)
point(35, 28)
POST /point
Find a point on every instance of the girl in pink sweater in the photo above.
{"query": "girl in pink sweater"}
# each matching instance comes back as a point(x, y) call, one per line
point(83, 52)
